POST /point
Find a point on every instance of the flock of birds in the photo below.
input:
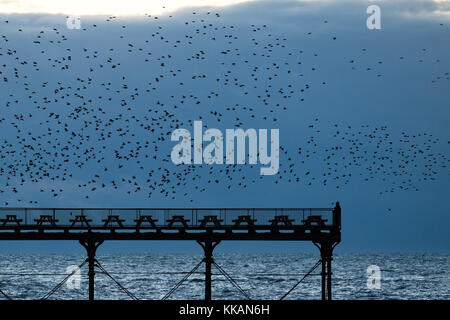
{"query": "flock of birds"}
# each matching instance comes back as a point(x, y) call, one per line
point(86, 116)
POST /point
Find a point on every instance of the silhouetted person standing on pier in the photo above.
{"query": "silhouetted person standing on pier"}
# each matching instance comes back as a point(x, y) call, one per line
point(337, 216)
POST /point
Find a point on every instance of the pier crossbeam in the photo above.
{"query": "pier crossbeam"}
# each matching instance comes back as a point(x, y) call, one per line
point(215, 236)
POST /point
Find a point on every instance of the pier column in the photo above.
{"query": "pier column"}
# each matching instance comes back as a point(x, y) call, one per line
point(329, 273)
point(323, 273)
point(326, 256)
point(91, 248)
point(208, 248)
point(208, 261)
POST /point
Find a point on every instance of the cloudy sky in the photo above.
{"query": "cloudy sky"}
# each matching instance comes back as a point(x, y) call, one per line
point(358, 82)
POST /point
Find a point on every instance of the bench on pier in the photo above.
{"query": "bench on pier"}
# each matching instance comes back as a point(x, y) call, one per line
point(314, 220)
point(244, 219)
point(282, 219)
point(210, 219)
point(111, 220)
point(178, 219)
point(80, 220)
point(46, 219)
point(148, 219)
point(10, 218)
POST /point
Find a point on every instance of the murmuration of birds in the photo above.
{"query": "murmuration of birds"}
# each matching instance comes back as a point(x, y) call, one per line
point(91, 111)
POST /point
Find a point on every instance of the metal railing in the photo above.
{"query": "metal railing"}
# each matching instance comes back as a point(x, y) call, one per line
point(163, 217)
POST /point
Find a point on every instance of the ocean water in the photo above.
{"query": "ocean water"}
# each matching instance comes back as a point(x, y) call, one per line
point(262, 276)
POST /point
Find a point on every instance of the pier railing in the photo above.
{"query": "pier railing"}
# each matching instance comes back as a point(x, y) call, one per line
point(165, 217)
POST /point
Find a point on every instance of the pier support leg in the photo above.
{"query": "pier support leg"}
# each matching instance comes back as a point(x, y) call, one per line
point(326, 255)
point(91, 248)
point(208, 248)
point(323, 276)
point(329, 273)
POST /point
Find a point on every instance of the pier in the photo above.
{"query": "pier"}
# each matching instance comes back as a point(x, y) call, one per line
point(207, 226)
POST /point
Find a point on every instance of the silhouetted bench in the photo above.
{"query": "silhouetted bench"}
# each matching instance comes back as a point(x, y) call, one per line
point(244, 219)
point(148, 219)
point(314, 220)
point(210, 219)
point(111, 220)
point(46, 218)
point(10, 218)
point(179, 219)
point(281, 220)
point(81, 220)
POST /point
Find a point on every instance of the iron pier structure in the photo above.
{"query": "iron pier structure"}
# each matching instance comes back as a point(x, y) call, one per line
point(207, 226)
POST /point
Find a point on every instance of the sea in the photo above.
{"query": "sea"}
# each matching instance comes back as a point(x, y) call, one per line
point(258, 276)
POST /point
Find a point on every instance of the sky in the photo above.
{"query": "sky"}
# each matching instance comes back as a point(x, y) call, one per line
point(104, 7)
point(367, 108)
